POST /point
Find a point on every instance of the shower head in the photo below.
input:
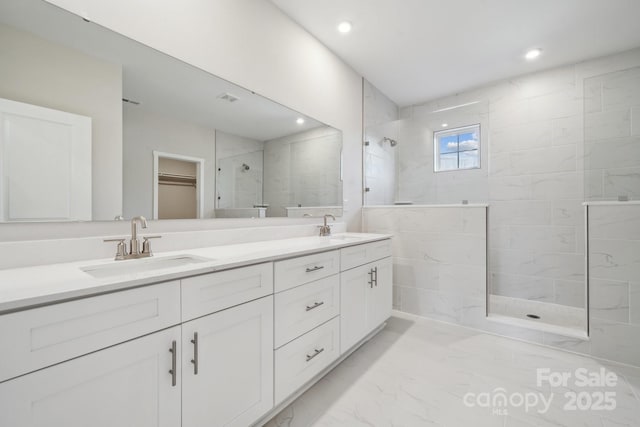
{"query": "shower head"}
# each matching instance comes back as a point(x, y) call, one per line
point(392, 142)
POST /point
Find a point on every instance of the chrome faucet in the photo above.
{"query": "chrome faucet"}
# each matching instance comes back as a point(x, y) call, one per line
point(134, 246)
point(325, 230)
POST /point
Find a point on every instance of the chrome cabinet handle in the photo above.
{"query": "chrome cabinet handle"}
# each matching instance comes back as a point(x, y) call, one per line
point(194, 341)
point(315, 353)
point(375, 275)
point(315, 305)
point(370, 282)
point(316, 268)
point(173, 371)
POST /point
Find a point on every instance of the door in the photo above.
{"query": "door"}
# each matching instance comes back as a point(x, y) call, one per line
point(45, 164)
point(355, 287)
point(380, 301)
point(125, 385)
point(228, 366)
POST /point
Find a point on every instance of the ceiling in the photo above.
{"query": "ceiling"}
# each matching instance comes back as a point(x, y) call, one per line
point(418, 50)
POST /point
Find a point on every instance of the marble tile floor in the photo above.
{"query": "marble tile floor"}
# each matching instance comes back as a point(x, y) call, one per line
point(420, 372)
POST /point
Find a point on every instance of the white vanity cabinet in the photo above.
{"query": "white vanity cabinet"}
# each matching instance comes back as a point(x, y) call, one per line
point(223, 348)
point(227, 366)
point(129, 384)
point(365, 294)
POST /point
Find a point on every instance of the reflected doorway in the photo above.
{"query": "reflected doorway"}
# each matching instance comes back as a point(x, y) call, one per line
point(178, 186)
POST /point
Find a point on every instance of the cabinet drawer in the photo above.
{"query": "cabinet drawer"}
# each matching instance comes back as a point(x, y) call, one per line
point(33, 339)
point(301, 309)
point(206, 294)
point(302, 359)
point(297, 271)
point(354, 256)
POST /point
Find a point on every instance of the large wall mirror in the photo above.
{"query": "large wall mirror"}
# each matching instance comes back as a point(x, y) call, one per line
point(96, 126)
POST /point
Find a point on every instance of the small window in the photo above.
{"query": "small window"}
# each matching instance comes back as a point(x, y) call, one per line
point(457, 148)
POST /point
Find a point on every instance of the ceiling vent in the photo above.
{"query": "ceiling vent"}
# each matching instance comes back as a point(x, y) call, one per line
point(228, 97)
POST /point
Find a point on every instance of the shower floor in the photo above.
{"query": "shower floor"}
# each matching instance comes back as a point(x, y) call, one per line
point(555, 318)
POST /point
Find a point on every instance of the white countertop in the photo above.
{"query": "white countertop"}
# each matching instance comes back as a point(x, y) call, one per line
point(21, 288)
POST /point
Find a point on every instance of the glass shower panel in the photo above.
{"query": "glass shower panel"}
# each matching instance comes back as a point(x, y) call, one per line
point(612, 136)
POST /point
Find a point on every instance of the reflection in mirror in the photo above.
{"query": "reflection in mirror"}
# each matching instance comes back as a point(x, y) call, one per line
point(433, 155)
point(154, 123)
point(292, 175)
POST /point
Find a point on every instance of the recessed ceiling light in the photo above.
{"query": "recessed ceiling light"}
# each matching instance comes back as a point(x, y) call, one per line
point(300, 120)
point(344, 27)
point(444, 125)
point(533, 53)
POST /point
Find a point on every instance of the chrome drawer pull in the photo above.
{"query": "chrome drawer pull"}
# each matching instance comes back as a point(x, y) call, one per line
point(370, 282)
point(375, 279)
point(194, 341)
point(316, 268)
point(315, 305)
point(173, 371)
point(315, 353)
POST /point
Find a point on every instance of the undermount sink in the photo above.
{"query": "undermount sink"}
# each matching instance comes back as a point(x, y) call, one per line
point(119, 268)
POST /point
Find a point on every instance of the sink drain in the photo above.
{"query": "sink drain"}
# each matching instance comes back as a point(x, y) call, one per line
point(533, 316)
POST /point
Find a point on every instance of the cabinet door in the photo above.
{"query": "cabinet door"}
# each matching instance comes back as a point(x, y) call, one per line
point(228, 366)
point(355, 289)
point(380, 301)
point(125, 385)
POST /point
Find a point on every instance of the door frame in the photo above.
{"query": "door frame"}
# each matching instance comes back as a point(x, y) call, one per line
point(199, 179)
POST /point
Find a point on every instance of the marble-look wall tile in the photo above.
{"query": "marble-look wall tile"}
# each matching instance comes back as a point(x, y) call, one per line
point(567, 343)
point(543, 238)
point(614, 259)
point(557, 186)
point(621, 89)
point(525, 212)
point(432, 304)
point(378, 108)
point(615, 341)
point(634, 302)
point(609, 300)
point(622, 182)
point(614, 222)
point(567, 212)
point(507, 188)
point(525, 136)
point(570, 292)
point(463, 279)
point(560, 158)
point(612, 153)
point(607, 125)
point(416, 273)
point(439, 256)
point(567, 130)
point(528, 287)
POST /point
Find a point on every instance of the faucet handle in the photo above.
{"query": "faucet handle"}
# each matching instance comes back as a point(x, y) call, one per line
point(146, 245)
point(121, 249)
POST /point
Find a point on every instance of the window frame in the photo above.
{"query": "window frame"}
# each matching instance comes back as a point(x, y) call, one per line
point(455, 131)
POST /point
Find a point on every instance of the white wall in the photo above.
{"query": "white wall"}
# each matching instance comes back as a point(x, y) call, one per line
point(253, 44)
point(144, 132)
point(36, 71)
